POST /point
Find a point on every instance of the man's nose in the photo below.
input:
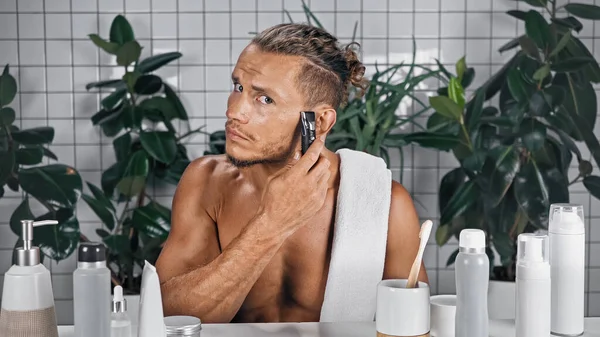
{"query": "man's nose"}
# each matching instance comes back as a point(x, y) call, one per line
point(238, 110)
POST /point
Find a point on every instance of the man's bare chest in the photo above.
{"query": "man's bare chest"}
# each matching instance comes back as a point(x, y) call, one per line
point(292, 286)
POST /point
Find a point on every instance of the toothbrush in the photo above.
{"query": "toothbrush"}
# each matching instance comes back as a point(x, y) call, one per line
point(416, 267)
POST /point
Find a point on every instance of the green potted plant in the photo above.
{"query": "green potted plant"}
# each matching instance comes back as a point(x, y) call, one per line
point(514, 158)
point(141, 114)
point(55, 187)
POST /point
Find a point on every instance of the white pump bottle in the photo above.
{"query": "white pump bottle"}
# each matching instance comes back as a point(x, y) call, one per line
point(567, 263)
point(532, 312)
point(27, 296)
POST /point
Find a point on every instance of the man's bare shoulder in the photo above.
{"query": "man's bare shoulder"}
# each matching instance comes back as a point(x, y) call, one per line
point(211, 170)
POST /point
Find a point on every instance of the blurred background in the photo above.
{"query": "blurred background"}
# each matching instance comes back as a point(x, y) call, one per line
point(484, 110)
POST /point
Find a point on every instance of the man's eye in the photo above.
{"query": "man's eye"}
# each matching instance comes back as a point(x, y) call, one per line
point(265, 99)
point(237, 87)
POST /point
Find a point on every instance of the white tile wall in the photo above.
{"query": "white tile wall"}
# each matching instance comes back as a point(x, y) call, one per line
point(45, 41)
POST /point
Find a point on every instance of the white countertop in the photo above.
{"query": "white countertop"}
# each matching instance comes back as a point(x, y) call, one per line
point(498, 328)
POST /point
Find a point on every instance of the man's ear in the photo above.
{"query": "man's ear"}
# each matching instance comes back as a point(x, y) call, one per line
point(325, 119)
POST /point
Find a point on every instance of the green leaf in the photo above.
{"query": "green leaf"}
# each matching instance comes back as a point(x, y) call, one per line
point(449, 185)
point(29, 155)
point(8, 87)
point(102, 233)
point(109, 47)
point(529, 47)
point(59, 185)
point(568, 22)
point(155, 62)
point(441, 124)
point(542, 72)
point(109, 102)
point(446, 107)
point(148, 85)
point(118, 244)
point(557, 185)
point(498, 172)
point(452, 258)
point(22, 212)
point(537, 28)
point(105, 84)
point(161, 145)
point(105, 116)
point(497, 80)
point(101, 211)
point(571, 64)
point(158, 109)
point(539, 104)
point(442, 235)
point(122, 146)
point(176, 102)
point(468, 77)
point(465, 196)
point(591, 71)
point(505, 247)
point(521, 15)
point(100, 196)
point(153, 220)
point(440, 141)
point(580, 101)
point(517, 86)
point(7, 116)
point(111, 177)
point(592, 184)
point(456, 92)
point(583, 11)
point(7, 159)
point(129, 53)
point(134, 177)
point(532, 194)
point(58, 242)
point(475, 110)
point(461, 66)
point(34, 136)
point(533, 133)
point(121, 31)
point(562, 43)
point(509, 45)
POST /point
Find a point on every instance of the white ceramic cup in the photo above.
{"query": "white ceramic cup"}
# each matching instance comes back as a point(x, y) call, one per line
point(402, 311)
point(443, 313)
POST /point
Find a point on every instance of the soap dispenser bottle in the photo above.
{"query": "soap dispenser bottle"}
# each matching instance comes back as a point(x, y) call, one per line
point(27, 308)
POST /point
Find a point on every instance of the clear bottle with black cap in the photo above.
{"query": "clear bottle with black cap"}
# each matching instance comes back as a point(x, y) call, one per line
point(92, 299)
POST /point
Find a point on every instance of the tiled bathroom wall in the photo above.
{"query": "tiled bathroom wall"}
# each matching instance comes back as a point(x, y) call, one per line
point(46, 44)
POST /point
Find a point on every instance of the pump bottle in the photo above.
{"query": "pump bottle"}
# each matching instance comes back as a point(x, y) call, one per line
point(532, 312)
point(567, 264)
point(27, 297)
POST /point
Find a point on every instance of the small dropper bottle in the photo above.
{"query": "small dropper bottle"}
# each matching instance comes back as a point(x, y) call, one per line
point(120, 323)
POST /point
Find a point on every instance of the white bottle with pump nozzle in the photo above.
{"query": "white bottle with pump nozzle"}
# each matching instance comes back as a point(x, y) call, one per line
point(472, 269)
point(27, 297)
point(533, 282)
point(567, 264)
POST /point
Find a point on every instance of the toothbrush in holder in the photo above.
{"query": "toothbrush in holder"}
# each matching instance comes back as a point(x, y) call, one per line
point(416, 267)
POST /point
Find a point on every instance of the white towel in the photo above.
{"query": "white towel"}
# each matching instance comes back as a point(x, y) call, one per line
point(359, 238)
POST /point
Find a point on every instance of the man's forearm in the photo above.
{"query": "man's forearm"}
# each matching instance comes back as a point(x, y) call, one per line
point(216, 291)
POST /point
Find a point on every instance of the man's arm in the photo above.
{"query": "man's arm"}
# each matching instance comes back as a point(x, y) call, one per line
point(403, 236)
point(196, 278)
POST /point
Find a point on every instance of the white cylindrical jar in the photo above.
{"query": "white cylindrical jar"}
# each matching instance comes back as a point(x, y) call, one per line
point(567, 263)
point(533, 286)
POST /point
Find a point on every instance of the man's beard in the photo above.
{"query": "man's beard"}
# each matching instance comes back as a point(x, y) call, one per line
point(281, 156)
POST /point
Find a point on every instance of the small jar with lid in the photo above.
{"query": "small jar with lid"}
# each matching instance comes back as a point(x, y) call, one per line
point(183, 326)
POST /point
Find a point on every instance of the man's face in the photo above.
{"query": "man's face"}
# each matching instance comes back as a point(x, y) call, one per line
point(263, 109)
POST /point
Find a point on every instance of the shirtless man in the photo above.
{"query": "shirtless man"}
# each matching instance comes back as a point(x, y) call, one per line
point(251, 230)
